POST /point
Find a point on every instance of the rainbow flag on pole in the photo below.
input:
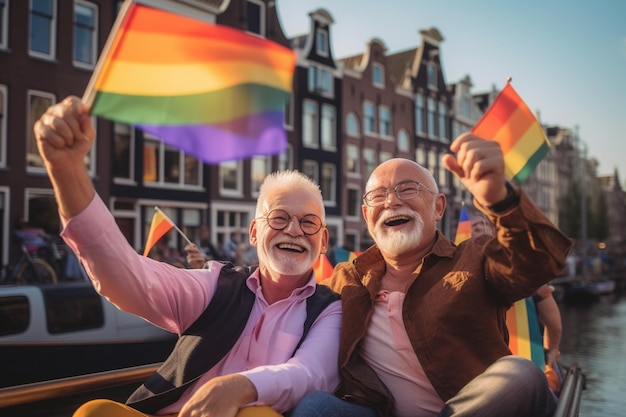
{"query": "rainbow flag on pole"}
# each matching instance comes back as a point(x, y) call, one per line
point(212, 91)
point(510, 122)
point(161, 224)
point(464, 228)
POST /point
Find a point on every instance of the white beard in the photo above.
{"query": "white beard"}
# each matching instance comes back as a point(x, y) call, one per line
point(285, 264)
point(396, 241)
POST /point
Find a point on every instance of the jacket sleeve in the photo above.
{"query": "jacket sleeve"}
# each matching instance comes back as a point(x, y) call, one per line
point(528, 252)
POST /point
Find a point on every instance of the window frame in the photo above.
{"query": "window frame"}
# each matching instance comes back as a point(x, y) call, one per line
point(93, 39)
point(51, 33)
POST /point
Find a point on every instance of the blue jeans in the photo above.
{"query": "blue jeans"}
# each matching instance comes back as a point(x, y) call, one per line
point(512, 386)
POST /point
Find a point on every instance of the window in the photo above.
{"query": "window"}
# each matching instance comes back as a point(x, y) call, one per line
point(310, 169)
point(369, 156)
point(443, 112)
point(384, 156)
point(353, 208)
point(15, 313)
point(42, 210)
point(432, 162)
point(124, 149)
point(165, 165)
point(384, 120)
point(465, 106)
point(328, 185)
point(42, 27)
point(231, 181)
point(431, 116)
point(4, 24)
point(260, 167)
point(3, 125)
point(420, 156)
point(321, 42)
point(38, 103)
point(352, 125)
point(431, 75)
point(419, 114)
point(72, 310)
point(285, 159)
point(85, 18)
point(404, 144)
point(352, 159)
point(255, 17)
point(309, 124)
point(229, 220)
point(443, 174)
point(369, 117)
point(320, 80)
point(329, 137)
point(378, 75)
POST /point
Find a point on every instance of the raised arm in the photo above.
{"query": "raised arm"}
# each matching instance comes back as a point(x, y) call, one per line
point(64, 135)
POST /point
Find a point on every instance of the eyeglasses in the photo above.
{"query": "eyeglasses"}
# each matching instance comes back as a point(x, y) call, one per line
point(406, 190)
point(280, 219)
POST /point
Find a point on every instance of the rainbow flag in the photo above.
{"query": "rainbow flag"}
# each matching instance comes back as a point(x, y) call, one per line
point(525, 337)
point(161, 224)
point(323, 268)
point(344, 255)
point(464, 228)
point(510, 122)
point(212, 91)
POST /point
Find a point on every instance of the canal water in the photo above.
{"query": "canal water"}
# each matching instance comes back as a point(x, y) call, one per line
point(594, 337)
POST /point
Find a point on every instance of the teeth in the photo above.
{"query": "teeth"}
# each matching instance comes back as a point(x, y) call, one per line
point(290, 246)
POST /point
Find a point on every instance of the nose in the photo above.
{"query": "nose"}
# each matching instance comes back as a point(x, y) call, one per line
point(391, 194)
point(293, 227)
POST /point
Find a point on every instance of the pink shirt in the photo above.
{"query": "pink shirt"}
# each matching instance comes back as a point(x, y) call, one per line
point(173, 298)
point(401, 371)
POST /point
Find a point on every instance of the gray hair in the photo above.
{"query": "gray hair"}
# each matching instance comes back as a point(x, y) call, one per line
point(288, 180)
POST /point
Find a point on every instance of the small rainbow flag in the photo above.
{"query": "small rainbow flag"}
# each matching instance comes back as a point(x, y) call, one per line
point(510, 122)
point(161, 224)
point(212, 91)
point(464, 229)
point(524, 334)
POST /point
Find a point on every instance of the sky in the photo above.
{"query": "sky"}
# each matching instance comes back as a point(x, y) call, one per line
point(567, 58)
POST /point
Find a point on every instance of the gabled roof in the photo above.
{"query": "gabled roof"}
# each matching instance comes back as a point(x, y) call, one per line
point(399, 65)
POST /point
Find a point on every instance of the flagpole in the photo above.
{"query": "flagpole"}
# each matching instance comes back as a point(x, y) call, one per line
point(173, 224)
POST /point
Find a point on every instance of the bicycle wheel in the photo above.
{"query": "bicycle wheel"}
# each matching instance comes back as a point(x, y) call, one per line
point(36, 272)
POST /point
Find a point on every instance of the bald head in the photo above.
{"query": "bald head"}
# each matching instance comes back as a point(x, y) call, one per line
point(395, 170)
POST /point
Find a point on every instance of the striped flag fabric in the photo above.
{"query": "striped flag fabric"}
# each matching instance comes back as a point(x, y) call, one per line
point(214, 92)
point(464, 228)
point(161, 224)
point(323, 268)
point(525, 337)
point(510, 122)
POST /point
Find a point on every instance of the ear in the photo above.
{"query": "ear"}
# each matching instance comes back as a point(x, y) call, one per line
point(364, 212)
point(440, 206)
point(252, 233)
point(325, 238)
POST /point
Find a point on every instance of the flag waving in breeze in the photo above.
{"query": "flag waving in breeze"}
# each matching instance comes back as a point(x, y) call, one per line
point(161, 224)
point(464, 229)
point(212, 91)
point(510, 122)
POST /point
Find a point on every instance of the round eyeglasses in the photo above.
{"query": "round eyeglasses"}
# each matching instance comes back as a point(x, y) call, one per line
point(279, 220)
point(406, 190)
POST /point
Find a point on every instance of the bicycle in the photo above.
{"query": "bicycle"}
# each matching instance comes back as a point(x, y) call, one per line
point(31, 269)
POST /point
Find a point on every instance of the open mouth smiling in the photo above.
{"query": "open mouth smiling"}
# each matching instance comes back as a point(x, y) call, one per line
point(291, 247)
point(397, 221)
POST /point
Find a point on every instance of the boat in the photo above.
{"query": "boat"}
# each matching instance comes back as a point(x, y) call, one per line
point(589, 291)
point(63, 330)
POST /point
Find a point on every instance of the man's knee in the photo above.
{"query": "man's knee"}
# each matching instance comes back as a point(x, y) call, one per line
point(106, 408)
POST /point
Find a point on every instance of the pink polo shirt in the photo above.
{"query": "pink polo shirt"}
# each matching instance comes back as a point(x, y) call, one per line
point(173, 298)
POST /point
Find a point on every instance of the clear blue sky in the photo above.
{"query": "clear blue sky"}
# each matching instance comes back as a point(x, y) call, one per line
point(567, 58)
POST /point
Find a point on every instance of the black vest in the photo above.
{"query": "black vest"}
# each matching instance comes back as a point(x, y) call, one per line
point(211, 337)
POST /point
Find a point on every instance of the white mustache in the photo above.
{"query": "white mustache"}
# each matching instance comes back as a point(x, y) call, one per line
point(402, 211)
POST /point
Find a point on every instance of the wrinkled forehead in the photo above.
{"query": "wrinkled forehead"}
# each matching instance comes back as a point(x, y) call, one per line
point(295, 202)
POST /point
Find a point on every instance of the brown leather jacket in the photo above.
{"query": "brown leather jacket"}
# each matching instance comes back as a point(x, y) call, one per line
point(454, 312)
